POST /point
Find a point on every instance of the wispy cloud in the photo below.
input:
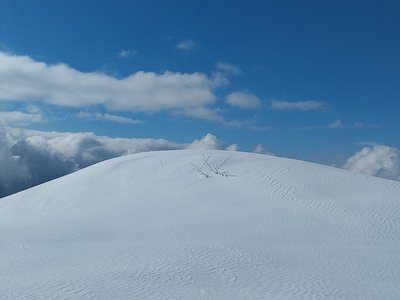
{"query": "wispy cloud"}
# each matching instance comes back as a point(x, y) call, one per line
point(107, 117)
point(228, 68)
point(244, 100)
point(20, 118)
point(127, 53)
point(300, 105)
point(186, 45)
point(356, 125)
point(338, 124)
point(215, 116)
point(205, 113)
point(367, 144)
point(245, 125)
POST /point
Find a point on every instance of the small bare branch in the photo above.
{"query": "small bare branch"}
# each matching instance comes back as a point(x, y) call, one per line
point(201, 171)
point(205, 160)
point(215, 169)
point(224, 162)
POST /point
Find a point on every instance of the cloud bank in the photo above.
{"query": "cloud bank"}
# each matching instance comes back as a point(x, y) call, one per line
point(29, 157)
point(379, 160)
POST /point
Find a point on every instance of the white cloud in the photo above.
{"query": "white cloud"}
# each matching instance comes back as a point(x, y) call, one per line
point(357, 125)
point(232, 147)
point(23, 78)
point(215, 115)
point(228, 68)
point(107, 117)
point(186, 45)
point(260, 149)
point(219, 79)
point(243, 100)
point(211, 142)
point(301, 105)
point(24, 153)
point(205, 113)
point(20, 118)
point(382, 161)
point(127, 53)
point(336, 124)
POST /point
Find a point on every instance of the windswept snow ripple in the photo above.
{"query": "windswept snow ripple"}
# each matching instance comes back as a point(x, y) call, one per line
point(150, 226)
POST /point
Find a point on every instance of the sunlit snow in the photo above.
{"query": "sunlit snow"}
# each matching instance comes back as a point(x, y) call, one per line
point(152, 226)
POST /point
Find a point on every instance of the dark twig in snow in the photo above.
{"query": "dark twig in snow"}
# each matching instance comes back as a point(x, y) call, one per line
point(214, 169)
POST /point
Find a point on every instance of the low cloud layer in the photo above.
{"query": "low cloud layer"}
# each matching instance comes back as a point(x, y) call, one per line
point(30, 157)
point(378, 160)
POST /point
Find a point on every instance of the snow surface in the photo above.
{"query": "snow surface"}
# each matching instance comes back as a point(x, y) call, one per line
point(149, 226)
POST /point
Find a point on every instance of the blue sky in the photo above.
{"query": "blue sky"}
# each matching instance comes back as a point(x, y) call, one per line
point(313, 80)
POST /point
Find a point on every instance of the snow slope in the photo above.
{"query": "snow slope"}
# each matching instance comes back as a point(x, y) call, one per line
point(149, 226)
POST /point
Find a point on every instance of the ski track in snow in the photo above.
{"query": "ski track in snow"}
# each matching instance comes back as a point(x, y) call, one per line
point(149, 226)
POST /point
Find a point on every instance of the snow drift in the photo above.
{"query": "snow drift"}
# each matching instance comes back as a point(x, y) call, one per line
point(150, 226)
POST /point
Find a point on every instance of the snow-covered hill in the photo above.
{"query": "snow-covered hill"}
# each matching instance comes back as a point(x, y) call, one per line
point(150, 226)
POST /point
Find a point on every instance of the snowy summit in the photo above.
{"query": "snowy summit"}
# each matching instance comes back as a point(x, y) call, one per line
point(202, 225)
